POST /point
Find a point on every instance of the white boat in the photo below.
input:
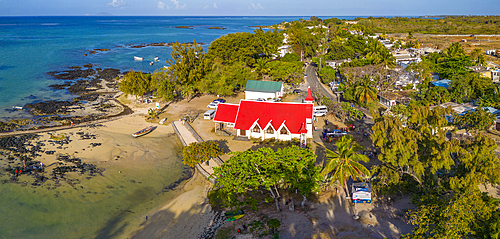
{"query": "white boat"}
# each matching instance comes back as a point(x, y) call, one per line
point(151, 63)
point(17, 107)
point(166, 67)
point(136, 58)
point(156, 58)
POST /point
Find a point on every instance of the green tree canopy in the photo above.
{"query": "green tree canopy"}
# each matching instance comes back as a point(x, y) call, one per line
point(290, 168)
point(226, 80)
point(477, 119)
point(196, 153)
point(135, 83)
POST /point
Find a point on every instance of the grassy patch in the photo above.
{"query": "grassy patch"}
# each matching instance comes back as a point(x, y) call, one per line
point(58, 137)
point(225, 233)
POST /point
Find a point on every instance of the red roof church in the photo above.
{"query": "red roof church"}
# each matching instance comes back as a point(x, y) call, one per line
point(264, 120)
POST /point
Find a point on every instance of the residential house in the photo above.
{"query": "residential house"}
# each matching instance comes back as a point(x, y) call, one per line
point(285, 48)
point(406, 78)
point(387, 43)
point(443, 83)
point(404, 58)
point(488, 72)
point(263, 90)
point(336, 63)
point(459, 109)
point(390, 99)
point(266, 120)
point(351, 22)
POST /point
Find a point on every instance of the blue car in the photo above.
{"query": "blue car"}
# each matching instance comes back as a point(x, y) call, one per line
point(220, 100)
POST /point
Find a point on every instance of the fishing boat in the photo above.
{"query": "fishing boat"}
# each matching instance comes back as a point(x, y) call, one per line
point(17, 107)
point(157, 58)
point(142, 131)
point(136, 58)
point(234, 218)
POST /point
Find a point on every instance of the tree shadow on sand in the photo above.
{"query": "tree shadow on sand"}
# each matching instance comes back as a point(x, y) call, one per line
point(223, 145)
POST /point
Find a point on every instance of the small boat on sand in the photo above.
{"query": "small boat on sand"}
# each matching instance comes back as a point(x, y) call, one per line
point(163, 121)
point(142, 132)
point(17, 107)
point(136, 58)
point(234, 218)
point(157, 58)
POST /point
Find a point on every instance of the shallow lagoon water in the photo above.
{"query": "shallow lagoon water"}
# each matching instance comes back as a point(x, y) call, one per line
point(108, 206)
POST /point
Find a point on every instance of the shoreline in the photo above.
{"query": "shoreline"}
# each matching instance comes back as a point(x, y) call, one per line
point(185, 216)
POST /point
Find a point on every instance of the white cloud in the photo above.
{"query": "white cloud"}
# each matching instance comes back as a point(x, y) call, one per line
point(255, 6)
point(215, 6)
point(117, 3)
point(203, 8)
point(162, 5)
point(178, 5)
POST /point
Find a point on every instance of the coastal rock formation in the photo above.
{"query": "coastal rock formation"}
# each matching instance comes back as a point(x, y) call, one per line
point(6, 126)
point(218, 219)
point(50, 107)
point(72, 74)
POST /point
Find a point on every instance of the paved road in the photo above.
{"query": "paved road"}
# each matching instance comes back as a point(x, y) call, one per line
point(316, 86)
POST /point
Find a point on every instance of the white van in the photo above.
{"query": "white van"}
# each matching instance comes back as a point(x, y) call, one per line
point(209, 114)
point(320, 110)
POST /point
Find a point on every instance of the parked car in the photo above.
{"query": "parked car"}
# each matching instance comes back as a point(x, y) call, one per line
point(336, 133)
point(213, 105)
point(319, 113)
point(220, 100)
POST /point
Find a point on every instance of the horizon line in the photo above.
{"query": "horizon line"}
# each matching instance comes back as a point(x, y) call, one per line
point(362, 16)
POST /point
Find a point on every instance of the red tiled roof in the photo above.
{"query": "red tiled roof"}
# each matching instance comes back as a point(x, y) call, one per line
point(226, 113)
point(309, 96)
point(293, 114)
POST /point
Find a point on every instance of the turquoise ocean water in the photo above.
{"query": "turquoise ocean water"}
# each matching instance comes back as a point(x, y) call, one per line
point(32, 46)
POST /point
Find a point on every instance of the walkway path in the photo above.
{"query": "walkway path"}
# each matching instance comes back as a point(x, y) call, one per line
point(187, 135)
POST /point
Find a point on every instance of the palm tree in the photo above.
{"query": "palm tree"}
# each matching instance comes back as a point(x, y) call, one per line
point(365, 91)
point(387, 59)
point(344, 163)
point(260, 66)
point(455, 50)
point(152, 114)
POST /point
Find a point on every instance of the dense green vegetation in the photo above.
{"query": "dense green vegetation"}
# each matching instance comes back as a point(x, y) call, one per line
point(445, 25)
point(442, 175)
point(248, 172)
point(201, 152)
point(231, 60)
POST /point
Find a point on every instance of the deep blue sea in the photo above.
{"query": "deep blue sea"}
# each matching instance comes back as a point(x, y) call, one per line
point(30, 47)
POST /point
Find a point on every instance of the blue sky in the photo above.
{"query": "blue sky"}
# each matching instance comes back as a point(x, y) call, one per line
point(249, 8)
